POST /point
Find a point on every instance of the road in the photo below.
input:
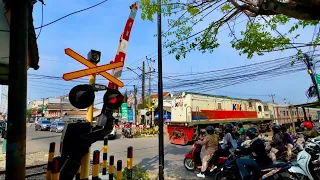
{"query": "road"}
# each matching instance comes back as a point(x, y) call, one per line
point(145, 152)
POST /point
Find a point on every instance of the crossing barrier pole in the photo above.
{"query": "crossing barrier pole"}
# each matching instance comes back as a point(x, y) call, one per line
point(96, 165)
point(55, 168)
point(111, 167)
point(119, 170)
point(50, 158)
point(129, 161)
point(105, 156)
point(78, 174)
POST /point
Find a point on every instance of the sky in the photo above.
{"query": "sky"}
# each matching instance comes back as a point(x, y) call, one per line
point(100, 28)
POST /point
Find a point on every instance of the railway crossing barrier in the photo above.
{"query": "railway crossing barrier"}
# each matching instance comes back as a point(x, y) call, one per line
point(54, 165)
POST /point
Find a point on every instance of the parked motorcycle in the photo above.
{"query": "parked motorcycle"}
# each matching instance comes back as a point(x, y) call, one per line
point(307, 165)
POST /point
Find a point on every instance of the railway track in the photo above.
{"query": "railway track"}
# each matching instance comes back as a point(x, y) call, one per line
point(31, 171)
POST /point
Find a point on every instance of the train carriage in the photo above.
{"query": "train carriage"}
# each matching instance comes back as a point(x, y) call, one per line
point(193, 111)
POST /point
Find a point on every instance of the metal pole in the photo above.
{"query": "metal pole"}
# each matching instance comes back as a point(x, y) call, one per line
point(135, 104)
point(17, 93)
point(85, 161)
point(310, 72)
point(143, 81)
point(43, 105)
point(61, 107)
point(160, 96)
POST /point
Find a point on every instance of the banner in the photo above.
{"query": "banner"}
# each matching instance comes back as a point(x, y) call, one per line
point(130, 115)
point(124, 112)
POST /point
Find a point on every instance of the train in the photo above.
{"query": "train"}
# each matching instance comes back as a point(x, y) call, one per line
point(192, 112)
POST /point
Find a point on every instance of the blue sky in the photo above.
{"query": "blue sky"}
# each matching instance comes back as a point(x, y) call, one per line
point(100, 28)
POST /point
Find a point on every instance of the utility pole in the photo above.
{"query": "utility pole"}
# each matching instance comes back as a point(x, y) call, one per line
point(61, 106)
point(17, 93)
point(149, 75)
point(310, 67)
point(272, 96)
point(160, 95)
point(143, 80)
point(43, 105)
point(135, 104)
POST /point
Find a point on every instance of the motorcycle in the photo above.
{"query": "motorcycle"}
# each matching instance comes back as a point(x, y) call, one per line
point(274, 171)
point(192, 160)
point(126, 132)
point(307, 165)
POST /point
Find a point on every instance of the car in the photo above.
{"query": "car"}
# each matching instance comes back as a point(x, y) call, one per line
point(43, 125)
point(57, 126)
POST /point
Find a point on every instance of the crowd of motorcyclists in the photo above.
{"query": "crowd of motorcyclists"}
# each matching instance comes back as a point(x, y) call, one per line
point(262, 152)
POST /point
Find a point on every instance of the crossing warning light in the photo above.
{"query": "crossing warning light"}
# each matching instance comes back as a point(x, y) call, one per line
point(82, 96)
point(112, 99)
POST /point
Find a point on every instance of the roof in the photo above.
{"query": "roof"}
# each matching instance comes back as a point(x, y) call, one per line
point(154, 96)
point(216, 96)
point(76, 112)
point(33, 52)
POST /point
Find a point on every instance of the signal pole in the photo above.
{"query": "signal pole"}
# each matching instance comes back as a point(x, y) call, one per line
point(135, 104)
point(143, 82)
point(17, 93)
point(160, 95)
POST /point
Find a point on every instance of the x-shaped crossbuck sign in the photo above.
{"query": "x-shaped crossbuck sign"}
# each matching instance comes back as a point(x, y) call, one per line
point(92, 69)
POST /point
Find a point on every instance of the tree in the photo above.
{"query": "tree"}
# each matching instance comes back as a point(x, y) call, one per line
point(264, 18)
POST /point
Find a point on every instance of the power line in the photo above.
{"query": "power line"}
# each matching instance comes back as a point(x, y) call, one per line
point(71, 14)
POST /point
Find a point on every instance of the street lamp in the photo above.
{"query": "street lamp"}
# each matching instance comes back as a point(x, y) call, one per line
point(130, 69)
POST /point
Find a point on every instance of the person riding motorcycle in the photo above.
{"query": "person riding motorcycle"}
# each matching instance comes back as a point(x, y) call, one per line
point(257, 150)
point(308, 130)
point(288, 140)
point(210, 142)
point(278, 142)
point(229, 143)
point(240, 132)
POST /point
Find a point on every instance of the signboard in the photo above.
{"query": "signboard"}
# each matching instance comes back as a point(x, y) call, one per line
point(317, 77)
point(92, 69)
point(124, 111)
point(130, 115)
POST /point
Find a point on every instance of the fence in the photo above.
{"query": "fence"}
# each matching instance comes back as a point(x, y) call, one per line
point(54, 163)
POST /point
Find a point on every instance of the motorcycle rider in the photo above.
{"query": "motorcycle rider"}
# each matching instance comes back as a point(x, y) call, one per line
point(229, 143)
point(308, 130)
point(210, 143)
point(240, 132)
point(278, 143)
point(288, 140)
point(257, 150)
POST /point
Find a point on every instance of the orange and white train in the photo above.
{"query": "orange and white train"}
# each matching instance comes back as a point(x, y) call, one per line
point(191, 112)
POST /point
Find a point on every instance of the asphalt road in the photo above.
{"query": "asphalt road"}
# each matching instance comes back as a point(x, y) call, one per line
point(145, 152)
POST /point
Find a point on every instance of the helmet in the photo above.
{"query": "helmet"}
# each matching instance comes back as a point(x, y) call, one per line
point(228, 127)
point(239, 124)
point(307, 124)
point(252, 132)
point(283, 128)
point(276, 128)
point(210, 129)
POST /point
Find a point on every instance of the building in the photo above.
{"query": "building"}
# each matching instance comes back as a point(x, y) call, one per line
point(167, 100)
point(37, 104)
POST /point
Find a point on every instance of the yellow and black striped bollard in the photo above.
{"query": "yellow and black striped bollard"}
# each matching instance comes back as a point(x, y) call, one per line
point(105, 156)
point(119, 170)
point(78, 174)
point(129, 161)
point(55, 168)
point(96, 165)
point(111, 167)
point(50, 158)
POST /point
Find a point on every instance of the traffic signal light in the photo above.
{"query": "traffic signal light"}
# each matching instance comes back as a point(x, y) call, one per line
point(94, 56)
point(112, 99)
point(82, 96)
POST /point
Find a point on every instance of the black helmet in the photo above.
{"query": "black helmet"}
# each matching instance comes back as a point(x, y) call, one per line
point(239, 124)
point(228, 127)
point(283, 128)
point(252, 132)
point(276, 128)
point(210, 129)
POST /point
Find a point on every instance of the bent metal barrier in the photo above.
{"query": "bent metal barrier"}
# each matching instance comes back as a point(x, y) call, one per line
point(54, 165)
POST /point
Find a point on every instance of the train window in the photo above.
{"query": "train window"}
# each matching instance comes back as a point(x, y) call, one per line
point(219, 106)
point(266, 108)
point(250, 104)
point(259, 108)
